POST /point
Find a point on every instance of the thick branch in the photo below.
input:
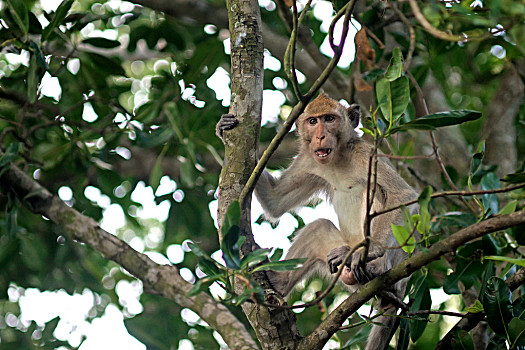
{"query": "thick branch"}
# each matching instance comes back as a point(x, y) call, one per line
point(158, 279)
point(331, 324)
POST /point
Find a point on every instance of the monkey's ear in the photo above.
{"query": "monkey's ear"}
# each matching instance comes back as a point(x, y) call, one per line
point(354, 113)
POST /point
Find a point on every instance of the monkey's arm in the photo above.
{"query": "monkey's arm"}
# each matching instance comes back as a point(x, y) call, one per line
point(294, 188)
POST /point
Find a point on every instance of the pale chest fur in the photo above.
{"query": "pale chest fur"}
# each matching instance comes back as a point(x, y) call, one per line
point(349, 205)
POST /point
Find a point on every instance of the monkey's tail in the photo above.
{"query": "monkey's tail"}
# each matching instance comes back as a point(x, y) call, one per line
point(381, 333)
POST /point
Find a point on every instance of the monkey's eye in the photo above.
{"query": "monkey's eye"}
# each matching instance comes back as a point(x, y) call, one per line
point(329, 118)
point(312, 121)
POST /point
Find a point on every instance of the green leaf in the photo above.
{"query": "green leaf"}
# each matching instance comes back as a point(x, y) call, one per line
point(102, 42)
point(9, 155)
point(490, 201)
point(277, 254)
point(509, 208)
point(404, 334)
point(393, 97)
point(60, 14)
point(202, 285)
point(405, 238)
point(232, 217)
point(476, 308)
point(497, 304)
point(20, 14)
point(515, 178)
point(423, 225)
point(477, 158)
point(255, 257)
point(422, 301)
point(32, 85)
point(208, 267)
point(520, 262)
point(230, 249)
point(283, 265)
point(395, 68)
point(34, 252)
point(438, 120)
point(516, 333)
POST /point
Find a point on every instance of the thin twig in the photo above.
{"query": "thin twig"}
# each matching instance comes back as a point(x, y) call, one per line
point(450, 193)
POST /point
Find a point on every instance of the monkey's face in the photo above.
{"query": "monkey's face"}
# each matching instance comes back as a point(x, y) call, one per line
point(321, 133)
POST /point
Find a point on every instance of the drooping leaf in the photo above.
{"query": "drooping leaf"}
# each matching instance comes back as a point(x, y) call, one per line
point(60, 14)
point(32, 85)
point(461, 340)
point(404, 334)
point(497, 304)
point(438, 120)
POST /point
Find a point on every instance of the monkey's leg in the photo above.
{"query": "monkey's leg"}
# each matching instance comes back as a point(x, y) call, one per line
point(313, 242)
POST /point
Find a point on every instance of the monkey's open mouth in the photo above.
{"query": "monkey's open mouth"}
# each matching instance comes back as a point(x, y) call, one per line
point(323, 152)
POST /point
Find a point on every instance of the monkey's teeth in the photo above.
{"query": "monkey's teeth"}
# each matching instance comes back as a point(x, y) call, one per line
point(323, 152)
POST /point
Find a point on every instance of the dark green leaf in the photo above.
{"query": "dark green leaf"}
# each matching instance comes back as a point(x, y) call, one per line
point(517, 332)
point(477, 158)
point(32, 85)
point(441, 119)
point(20, 14)
point(404, 334)
point(232, 217)
point(515, 178)
point(422, 301)
point(255, 257)
point(209, 267)
point(102, 42)
point(230, 249)
point(490, 201)
point(277, 254)
point(60, 14)
point(497, 304)
point(34, 252)
point(202, 285)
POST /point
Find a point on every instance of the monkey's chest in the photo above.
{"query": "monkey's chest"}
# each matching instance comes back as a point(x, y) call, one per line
point(349, 205)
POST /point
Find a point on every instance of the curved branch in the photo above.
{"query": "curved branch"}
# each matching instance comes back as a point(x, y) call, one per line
point(332, 323)
point(463, 37)
point(163, 280)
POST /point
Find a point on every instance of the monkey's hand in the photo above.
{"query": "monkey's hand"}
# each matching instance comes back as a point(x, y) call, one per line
point(227, 122)
point(336, 257)
point(364, 272)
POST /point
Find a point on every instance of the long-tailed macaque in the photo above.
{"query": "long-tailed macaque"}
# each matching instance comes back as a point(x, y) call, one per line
point(333, 163)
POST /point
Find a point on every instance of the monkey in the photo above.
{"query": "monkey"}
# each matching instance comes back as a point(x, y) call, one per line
point(333, 163)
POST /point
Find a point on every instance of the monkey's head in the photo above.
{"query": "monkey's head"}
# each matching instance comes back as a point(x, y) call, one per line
point(325, 126)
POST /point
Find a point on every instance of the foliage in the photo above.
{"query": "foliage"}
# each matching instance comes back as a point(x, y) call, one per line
point(112, 105)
